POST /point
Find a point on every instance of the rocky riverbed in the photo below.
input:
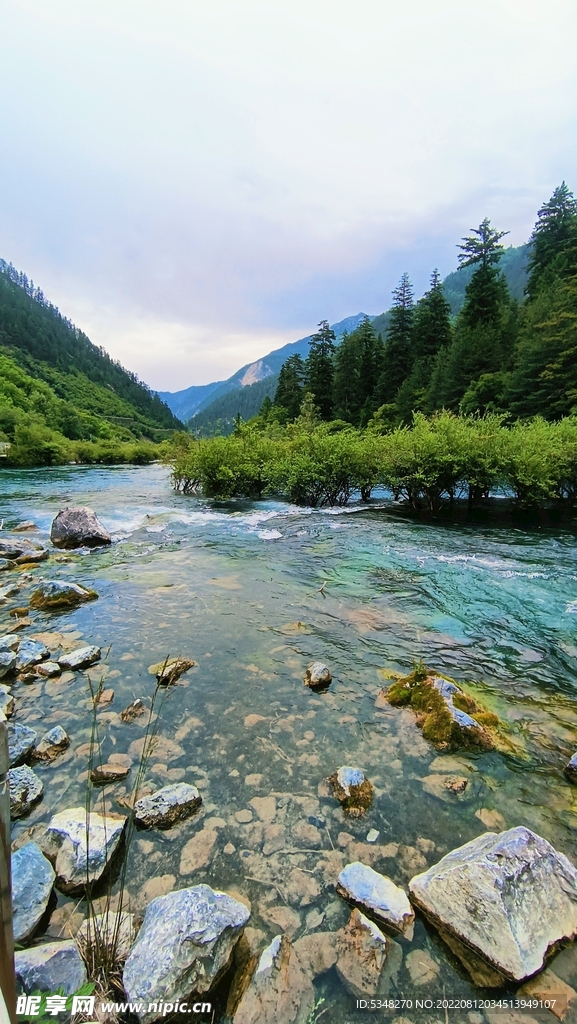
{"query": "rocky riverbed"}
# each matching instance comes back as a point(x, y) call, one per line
point(239, 796)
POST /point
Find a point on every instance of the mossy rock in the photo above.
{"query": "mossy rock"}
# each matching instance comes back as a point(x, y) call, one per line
point(353, 791)
point(448, 717)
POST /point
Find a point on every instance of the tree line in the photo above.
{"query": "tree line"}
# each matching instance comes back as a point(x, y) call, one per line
point(496, 356)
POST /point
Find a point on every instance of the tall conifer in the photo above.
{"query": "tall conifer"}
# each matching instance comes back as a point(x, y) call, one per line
point(319, 369)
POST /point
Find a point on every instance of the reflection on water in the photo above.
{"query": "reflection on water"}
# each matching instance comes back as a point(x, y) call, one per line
point(239, 588)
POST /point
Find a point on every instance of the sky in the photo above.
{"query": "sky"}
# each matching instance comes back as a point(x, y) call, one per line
point(196, 182)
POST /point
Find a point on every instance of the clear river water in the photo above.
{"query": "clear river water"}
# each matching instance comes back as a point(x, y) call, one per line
point(254, 592)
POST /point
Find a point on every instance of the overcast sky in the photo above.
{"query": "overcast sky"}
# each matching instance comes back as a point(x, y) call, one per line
point(195, 182)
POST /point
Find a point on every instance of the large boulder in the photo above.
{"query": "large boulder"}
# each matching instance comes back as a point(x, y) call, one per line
point(361, 954)
point(26, 789)
point(78, 528)
point(57, 595)
point(377, 896)
point(81, 658)
point(80, 849)
point(184, 945)
point(47, 968)
point(30, 652)
point(503, 902)
point(271, 988)
point(167, 806)
point(32, 880)
point(21, 739)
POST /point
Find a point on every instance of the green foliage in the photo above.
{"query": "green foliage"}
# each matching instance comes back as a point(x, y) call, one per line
point(553, 244)
point(41, 1016)
point(319, 370)
point(397, 356)
point(290, 388)
point(428, 464)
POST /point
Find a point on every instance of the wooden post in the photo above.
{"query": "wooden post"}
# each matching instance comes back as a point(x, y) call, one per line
point(7, 976)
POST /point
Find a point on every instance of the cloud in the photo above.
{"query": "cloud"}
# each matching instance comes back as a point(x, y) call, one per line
point(226, 174)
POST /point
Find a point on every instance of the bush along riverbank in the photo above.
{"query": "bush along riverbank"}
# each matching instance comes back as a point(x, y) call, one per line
point(503, 903)
point(430, 464)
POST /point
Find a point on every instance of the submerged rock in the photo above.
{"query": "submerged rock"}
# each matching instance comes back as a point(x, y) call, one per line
point(26, 524)
point(26, 789)
point(108, 773)
point(273, 987)
point(36, 554)
point(32, 881)
point(6, 564)
point(361, 955)
point(53, 743)
point(167, 806)
point(79, 849)
point(47, 968)
point(317, 676)
point(78, 527)
point(30, 652)
point(508, 900)
point(56, 594)
point(81, 658)
point(377, 896)
point(133, 711)
point(184, 945)
point(21, 739)
point(353, 791)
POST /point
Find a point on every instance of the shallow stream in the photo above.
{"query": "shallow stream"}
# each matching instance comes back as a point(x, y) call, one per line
point(255, 592)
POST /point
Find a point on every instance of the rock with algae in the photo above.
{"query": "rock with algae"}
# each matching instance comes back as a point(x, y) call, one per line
point(353, 791)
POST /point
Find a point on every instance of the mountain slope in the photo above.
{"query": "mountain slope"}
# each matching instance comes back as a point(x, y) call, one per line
point(48, 347)
point(250, 373)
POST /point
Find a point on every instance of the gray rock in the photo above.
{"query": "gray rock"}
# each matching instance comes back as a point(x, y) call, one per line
point(30, 652)
point(50, 967)
point(78, 857)
point(6, 564)
point(113, 931)
point(48, 669)
point(507, 899)
point(78, 527)
point(167, 806)
point(570, 769)
point(32, 880)
point(36, 554)
point(7, 663)
point(272, 988)
point(9, 642)
point(377, 896)
point(184, 945)
point(53, 743)
point(6, 701)
point(26, 524)
point(13, 549)
point(317, 675)
point(81, 658)
point(26, 789)
point(55, 595)
point(21, 739)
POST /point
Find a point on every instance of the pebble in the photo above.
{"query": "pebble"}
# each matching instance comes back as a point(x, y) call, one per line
point(243, 817)
point(372, 835)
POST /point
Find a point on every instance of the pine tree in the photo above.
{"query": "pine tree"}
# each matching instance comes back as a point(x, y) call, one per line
point(319, 369)
point(432, 321)
point(346, 380)
point(487, 289)
point(397, 353)
point(290, 388)
point(554, 239)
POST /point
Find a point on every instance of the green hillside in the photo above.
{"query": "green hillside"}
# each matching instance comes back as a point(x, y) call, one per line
point(63, 398)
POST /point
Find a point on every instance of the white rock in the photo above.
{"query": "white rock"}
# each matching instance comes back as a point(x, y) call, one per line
point(377, 895)
point(21, 739)
point(80, 854)
point(25, 790)
point(50, 967)
point(510, 898)
point(347, 777)
point(184, 945)
point(30, 652)
point(80, 658)
point(7, 662)
point(9, 642)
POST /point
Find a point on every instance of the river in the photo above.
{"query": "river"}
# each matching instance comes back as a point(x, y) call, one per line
point(255, 591)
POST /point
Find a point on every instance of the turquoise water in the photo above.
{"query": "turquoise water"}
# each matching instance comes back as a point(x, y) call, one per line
point(238, 587)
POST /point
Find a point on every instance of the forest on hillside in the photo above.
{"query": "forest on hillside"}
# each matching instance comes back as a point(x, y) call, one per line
point(63, 398)
point(498, 355)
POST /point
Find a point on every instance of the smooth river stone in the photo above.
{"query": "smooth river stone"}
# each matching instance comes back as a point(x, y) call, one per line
point(509, 898)
point(65, 844)
point(32, 881)
point(53, 743)
point(184, 945)
point(377, 895)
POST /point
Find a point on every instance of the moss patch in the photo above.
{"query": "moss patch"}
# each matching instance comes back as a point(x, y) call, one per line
point(357, 801)
point(434, 716)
